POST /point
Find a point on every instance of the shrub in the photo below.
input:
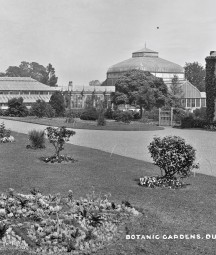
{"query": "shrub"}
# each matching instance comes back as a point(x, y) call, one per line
point(37, 139)
point(58, 137)
point(101, 119)
point(16, 108)
point(136, 115)
point(152, 114)
point(124, 116)
point(75, 113)
point(187, 122)
point(173, 156)
point(3, 131)
point(89, 114)
point(109, 113)
point(57, 102)
point(200, 113)
point(42, 109)
point(192, 122)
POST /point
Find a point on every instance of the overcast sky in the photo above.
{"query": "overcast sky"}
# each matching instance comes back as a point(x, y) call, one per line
point(82, 38)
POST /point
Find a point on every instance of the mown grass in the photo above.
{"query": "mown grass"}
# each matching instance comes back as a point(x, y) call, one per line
point(86, 124)
point(186, 211)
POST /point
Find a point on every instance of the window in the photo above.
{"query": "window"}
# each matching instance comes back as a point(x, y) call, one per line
point(193, 102)
point(189, 102)
point(203, 102)
point(197, 102)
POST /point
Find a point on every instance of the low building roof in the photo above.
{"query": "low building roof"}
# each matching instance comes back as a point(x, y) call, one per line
point(190, 91)
point(23, 83)
point(26, 98)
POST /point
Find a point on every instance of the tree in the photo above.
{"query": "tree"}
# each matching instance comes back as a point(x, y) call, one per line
point(58, 137)
point(195, 74)
point(140, 88)
point(16, 107)
point(58, 103)
point(52, 81)
point(94, 83)
point(175, 92)
point(42, 109)
point(45, 75)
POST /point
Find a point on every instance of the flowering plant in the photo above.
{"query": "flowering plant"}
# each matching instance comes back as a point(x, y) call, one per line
point(54, 224)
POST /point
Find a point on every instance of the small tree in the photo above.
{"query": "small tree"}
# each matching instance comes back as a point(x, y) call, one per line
point(16, 107)
point(58, 137)
point(173, 156)
point(58, 103)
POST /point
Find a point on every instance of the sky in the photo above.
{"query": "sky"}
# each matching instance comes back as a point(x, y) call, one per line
point(83, 38)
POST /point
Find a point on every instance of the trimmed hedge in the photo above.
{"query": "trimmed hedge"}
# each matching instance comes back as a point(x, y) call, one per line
point(124, 116)
point(89, 114)
point(192, 122)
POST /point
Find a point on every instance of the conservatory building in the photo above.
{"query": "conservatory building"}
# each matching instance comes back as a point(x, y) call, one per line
point(149, 60)
point(146, 60)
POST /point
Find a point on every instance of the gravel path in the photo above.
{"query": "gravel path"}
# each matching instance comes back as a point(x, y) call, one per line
point(134, 143)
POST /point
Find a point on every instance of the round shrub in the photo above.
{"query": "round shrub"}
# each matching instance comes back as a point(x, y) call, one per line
point(89, 114)
point(173, 156)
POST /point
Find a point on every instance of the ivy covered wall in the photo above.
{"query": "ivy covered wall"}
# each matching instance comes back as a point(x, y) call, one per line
point(210, 82)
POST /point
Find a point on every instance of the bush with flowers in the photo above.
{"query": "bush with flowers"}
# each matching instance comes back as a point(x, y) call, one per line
point(54, 224)
point(5, 134)
point(58, 137)
point(175, 159)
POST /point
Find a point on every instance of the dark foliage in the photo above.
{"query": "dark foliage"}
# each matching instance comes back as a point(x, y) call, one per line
point(37, 139)
point(34, 70)
point(42, 109)
point(195, 74)
point(16, 108)
point(101, 119)
point(141, 89)
point(210, 82)
point(109, 113)
point(58, 104)
point(124, 116)
point(89, 114)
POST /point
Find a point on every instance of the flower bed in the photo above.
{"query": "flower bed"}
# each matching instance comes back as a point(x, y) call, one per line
point(157, 181)
point(60, 159)
point(56, 225)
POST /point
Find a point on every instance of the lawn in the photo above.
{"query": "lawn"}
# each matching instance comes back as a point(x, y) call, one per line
point(165, 212)
point(91, 125)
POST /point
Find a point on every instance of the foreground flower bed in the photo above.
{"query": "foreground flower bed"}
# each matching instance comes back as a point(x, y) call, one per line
point(55, 224)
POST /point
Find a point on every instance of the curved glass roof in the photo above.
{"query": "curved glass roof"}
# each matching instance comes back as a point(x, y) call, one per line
point(146, 60)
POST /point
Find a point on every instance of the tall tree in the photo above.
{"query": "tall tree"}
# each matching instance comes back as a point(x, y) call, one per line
point(45, 75)
point(140, 88)
point(195, 74)
point(58, 103)
point(52, 81)
point(175, 92)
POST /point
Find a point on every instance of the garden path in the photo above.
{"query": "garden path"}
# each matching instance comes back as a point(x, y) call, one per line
point(134, 143)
